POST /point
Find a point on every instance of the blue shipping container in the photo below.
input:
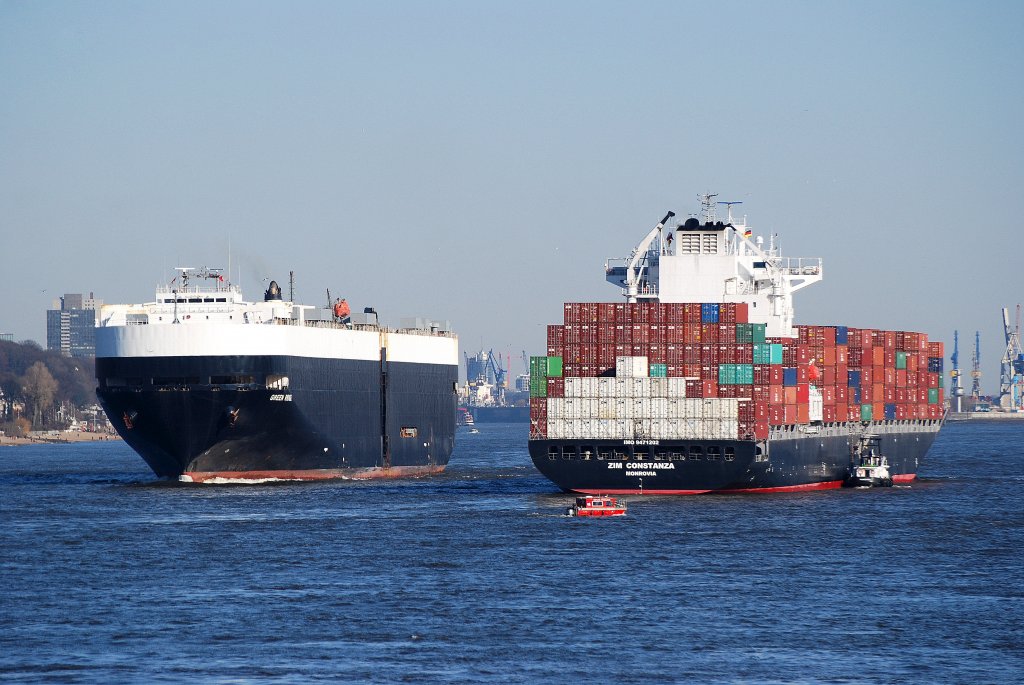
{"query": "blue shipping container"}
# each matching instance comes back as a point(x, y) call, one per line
point(856, 394)
point(789, 377)
point(709, 312)
point(853, 379)
point(842, 335)
point(890, 412)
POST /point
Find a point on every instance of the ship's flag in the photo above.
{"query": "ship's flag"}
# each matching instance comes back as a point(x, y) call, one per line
point(747, 233)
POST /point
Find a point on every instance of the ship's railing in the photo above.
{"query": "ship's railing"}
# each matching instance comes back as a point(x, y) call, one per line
point(201, 289)
point(320, 323)
point(799, 266)
point(645, 290)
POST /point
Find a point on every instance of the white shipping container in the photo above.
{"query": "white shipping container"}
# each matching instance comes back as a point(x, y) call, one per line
point(659, 407)
point(591, 387)
point(554, 429)
point(605, 408)
point(676, 387)
point(556, 407)
point(815, 405)
point(623, 407)
point(630, 367)
point(641, 408)
point(606, 387)
point(641, 387)
point(588, 429)
point(690, 429)
point(570, 384)
point(659, 386)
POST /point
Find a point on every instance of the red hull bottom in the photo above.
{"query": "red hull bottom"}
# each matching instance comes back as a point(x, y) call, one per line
point(310, 474)
point(827, 485)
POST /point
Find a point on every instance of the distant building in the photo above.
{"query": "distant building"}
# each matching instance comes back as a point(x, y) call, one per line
point(6, 337)
point(71, 325)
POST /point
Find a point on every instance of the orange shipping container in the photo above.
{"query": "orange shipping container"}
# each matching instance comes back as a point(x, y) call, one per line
point(803, 413)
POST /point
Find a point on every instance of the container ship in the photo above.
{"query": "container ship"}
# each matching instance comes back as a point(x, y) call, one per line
point(206, 386)
point(699, 381)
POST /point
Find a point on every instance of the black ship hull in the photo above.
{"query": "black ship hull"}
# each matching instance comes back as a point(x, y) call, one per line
point(793, 462)
point(231, 417)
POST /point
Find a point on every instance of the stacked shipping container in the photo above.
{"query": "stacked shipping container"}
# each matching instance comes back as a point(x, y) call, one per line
point(746, 383)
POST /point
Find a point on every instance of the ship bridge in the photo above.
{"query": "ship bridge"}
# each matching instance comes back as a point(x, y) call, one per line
point(715, 261)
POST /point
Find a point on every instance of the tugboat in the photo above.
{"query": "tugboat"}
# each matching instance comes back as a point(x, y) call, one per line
point(599, 505)
point(868, 469)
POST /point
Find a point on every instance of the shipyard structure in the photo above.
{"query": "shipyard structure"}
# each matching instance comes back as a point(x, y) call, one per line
point(698, 380)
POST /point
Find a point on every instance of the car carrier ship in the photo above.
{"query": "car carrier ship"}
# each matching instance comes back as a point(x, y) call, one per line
point(205, 385)
point(699, 381)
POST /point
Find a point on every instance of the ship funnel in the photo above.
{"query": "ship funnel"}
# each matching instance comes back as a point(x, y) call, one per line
point(273, 292)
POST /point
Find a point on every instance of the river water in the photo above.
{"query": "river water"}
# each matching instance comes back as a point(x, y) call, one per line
point(476, 576)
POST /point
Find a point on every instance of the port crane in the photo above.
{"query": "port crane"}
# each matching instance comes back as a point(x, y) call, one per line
point(955, 389)
point(976, 368)
point(1011, 371)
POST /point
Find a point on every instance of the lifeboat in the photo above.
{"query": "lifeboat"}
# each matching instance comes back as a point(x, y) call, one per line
point(597, 505)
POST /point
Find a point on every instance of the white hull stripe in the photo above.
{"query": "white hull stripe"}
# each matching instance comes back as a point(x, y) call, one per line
point(214, 339)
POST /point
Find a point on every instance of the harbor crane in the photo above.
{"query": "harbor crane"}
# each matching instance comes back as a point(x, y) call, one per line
point(976, 368)
point(1011, 370)
point(955, 389)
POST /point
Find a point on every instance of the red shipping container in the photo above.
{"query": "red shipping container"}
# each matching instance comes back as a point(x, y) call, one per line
point(803, 374)
point(842, 394)
point(727, 333)
point(890, 394)
point(828, 413)
point(790, 394)
point(901, 395)
point(761, 393)
point(790, 414)
point(828, 396)
point(556, 387)
point(922, 395)
point(878, 411)
point(878, 356)
point(727, 312)
point(606, 355)
point(692, 332)
point(692, 370)
point(913, 379)
point(641, 334)
point(744, 354)
point(743, 313)
point(760, 411)
point(694, 388)
point(570, 368)
point(777, 415)
point(675, 312)
point(913, 362)
point(728, 391)
point(623, 334)
point(877, 393)
point(588, 334)
point(762, 374)
point(936, 349)
point(803, 413)
point(639, 349)
point(803, 395)
point(675, 371)
point(709, 333)
point(709, 388)
point(828, 376)
point(777, 375)
point(842, 355)
point(889, 376)
point(866, 376)
point(556, 352)
point(889, 341)
point(673, 333)
point(803, 354)
point(691, 312)
point(777, 395)
point(657, 354)
point(761, 430)
point(890, 358)
point(606, 334)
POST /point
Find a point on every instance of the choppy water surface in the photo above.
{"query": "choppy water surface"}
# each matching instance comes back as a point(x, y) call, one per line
point(477, 577)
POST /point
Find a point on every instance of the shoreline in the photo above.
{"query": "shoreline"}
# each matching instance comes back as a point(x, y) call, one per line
point(57, 438)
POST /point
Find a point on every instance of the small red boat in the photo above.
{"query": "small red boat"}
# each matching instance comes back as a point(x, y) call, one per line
point(597, 505)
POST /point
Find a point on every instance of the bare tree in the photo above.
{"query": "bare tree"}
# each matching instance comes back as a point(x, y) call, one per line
point(40, 388)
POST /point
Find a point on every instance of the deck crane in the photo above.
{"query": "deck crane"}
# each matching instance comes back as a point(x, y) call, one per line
point(1011, 370)
point(955, 390)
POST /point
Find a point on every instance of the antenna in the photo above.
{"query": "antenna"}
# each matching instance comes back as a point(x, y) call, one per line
point(728, 209)
point(707, 206)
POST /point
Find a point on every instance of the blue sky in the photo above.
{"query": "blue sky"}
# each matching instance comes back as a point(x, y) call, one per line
point(478, 161)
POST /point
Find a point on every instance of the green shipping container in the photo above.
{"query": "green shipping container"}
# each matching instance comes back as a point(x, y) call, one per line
point(538, 367)
point(758, 333)
point(865, 412)
point(744, 374)
point(539, 388)
point(933, 395)
point(659, 370)
point(901, 360)
point(776, 353)
point(727, 374)
point(554, 367)
point(744, 333)
point(762, 353)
